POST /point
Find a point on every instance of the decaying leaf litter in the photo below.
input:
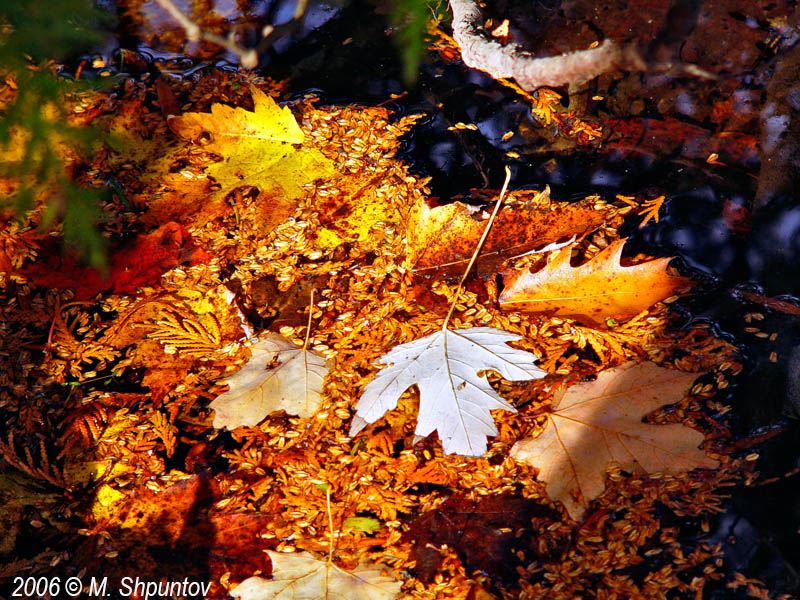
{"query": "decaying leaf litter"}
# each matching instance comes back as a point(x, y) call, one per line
point(107, 405)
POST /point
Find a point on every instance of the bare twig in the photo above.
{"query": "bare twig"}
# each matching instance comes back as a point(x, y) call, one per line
point(248, 57)
point(273, 33)
point(480, 51)
point(477, 250)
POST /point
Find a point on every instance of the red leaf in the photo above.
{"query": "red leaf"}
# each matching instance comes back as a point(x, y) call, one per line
point(140, 262)
point(150, 256)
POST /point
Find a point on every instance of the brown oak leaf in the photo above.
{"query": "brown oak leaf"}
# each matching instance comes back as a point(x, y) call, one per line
point(442, 239)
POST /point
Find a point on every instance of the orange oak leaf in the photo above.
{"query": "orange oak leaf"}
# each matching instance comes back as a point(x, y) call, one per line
point(596, 290)
point(442, 239)
point(595, 423)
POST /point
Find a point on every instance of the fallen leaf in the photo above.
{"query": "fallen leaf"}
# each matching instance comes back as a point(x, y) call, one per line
point(278, 376)
point(367, 194)
point(130, 138)
point(365, 524)
point(178, 196)
point(152, 255)
point(138, 263)
point(596, 290)
point(443, 238)
point(170, 333)
point(736, 217)
point(259, 148)
point(784, 306)
point(180, 521)
point(266, 123)
point(16, 497)
point(486, 533)
point(453, 400)
point(167, 101)
point(282, 307)
point(351, 214)
point(300, 576)
point(672, 136)
point(595, 423)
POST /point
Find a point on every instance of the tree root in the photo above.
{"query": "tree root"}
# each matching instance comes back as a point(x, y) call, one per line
point(480, 51)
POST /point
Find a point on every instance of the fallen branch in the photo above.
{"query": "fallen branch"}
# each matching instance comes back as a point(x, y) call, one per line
point(480, 51)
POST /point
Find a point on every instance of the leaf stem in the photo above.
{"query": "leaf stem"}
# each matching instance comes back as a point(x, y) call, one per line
point(308, 327)
point(478, 248)
point(330, 522)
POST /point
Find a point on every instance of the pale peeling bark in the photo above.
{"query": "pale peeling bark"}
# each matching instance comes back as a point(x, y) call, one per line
point(481, 51)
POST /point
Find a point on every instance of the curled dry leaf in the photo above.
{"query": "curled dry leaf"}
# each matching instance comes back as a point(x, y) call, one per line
point(453, 400)
point(595, 423)
point(442, 239)
point(596, 290)
point(300, 576)
point(278, 376)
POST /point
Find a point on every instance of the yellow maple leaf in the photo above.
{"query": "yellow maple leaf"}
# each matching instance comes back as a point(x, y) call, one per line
point(259, 148)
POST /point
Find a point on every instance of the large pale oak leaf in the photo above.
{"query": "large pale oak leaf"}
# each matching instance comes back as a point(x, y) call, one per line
point(595, 423)
point(596, 290)
point(454, 401)
point(300, 576)
point(278, 376)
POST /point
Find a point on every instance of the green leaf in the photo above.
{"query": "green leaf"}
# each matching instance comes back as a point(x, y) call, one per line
point(365, 524)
